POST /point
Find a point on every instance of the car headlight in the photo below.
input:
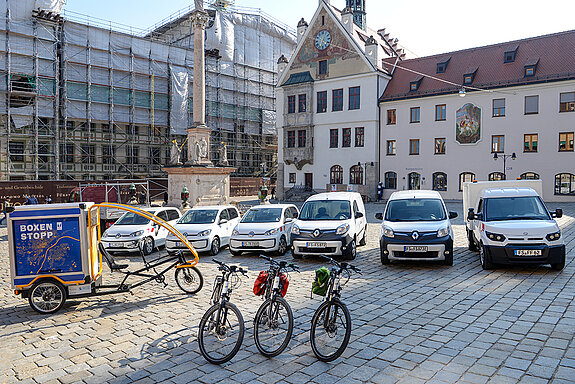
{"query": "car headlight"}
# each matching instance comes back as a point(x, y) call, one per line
point(105, 234)
point(495, 236)
point(137, 233)
point(387, 232)
point(205, 232)
point(554, 236)
point(271, 232)
point(342, 229)
point(295, 229)
point(443, 232)
point(235, 232)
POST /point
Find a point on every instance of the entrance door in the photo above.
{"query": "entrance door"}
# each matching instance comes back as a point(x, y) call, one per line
point(309, 181)
point(414, 180)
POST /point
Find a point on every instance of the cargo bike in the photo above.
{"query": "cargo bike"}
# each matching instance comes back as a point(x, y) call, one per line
point(55, 254)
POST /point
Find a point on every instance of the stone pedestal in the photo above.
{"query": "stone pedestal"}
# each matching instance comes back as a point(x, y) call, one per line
point(207, 185)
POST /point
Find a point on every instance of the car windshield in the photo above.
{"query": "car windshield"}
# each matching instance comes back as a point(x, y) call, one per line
point(326, 210)
point(199, 216)
point(131, 218)
point(415, 210)
point(515, 208)
point(263, 215)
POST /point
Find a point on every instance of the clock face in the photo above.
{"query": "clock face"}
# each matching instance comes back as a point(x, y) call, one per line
point(322, 40)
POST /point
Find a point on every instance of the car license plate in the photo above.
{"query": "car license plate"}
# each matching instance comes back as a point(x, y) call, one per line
point(116, 245)
point(415, 248)
point(527, 252)
point(316, 244)
point(250, 243)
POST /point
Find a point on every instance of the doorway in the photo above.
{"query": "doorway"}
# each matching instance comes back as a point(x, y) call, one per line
point(308, 181)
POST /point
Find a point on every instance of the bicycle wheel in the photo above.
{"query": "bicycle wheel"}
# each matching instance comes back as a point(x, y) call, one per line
point(190, 279)
point(221, 333)
point(330, 330)
point(272, 333)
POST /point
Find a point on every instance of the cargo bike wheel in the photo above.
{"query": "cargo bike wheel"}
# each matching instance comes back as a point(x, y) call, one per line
point(189, 279)
point(47, 296)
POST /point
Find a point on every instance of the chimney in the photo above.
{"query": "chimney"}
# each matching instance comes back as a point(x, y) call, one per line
point(301, 28)
point(347, 19)
point(371, 50)
point(282, 64)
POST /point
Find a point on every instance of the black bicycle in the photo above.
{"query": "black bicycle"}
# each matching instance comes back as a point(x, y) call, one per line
point(222, 327)
point(331, 322)
point(273, 324)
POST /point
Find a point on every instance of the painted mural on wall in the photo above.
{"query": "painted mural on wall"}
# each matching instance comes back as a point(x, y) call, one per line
point(468, 124)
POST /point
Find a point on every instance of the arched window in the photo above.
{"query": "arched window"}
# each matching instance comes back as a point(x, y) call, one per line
point(565, 184)
point(390, 180)
point(356, 174)
point(496, 176)
point(529, 176)
point(440, 181)
point(465, 177)
point(414, 180)
point(336, 175)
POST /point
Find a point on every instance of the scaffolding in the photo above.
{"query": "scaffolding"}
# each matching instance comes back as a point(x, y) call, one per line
point(87, 99)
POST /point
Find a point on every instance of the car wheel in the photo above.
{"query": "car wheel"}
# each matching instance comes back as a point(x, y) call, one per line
point(384, 258)
point(282, 246)
point(363, 240)
point(560, 265)
point(148, 245)
point(351, 250)
point(471, 244)
point(215, 248)
point(484, 258)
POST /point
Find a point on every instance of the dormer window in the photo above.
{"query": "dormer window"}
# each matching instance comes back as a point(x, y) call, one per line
point(442, 66)
point(469, 76)
point(414, 85)
point(531, 67)
point(510, 53)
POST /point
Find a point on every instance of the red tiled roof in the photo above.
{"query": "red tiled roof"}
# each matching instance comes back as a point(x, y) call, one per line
point(555, 54)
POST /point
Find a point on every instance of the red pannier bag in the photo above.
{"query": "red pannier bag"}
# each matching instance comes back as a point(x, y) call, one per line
point(260, 283)
point(284, 284)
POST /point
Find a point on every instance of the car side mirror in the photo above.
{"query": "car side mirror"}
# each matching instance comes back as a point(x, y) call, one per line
point(452, 215)
point(379, 216)
point(223, 221)
point(358, 215)
point(558, 213)
point(470, 214)
point(295, 215)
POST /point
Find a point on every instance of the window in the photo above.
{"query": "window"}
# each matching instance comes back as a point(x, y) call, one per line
point(509, 56)
point(359, 136)
point(354, 98)
point(497, 144)
point(414, 115)
point(333, 138)
point(440, 146)
point(291, 139)
point(567, 102)
point(390, 147)
point(565, 184)
point(440, 112)
point(67, 153)
point(336, 175)
point(414, 85)
point(323, 67)
point(496, 176)
point(530, 143)
point(291, 104)
point(566, 142)
point(301, 138)
point(442, 67)
point(414, 180)
point(43, 151)
point(498, 107)
point(302, 103)
point(530, 71)
point(440, 181)
point(292, 178)
point(16, 149)
point(465, 177)
point(469, 76)
point(106, 128)
point(531, 105)
point(346, 142)
point(414, 146)
point(356, 174)
point(337, 100)
point(390, 180)
point(322, 102)
point(391, 119)
point(88, 154)
point(132, 155)
point(233, 213)
point(108, 153)
point(529, 176)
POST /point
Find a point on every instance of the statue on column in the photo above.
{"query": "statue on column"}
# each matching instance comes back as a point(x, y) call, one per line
point(199, 5)
point(175, 153)
point(223, 151)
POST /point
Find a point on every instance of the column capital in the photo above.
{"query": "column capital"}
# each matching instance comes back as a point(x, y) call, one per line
point(200, 19)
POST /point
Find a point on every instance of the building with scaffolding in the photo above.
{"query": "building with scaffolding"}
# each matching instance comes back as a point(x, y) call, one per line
point(86, 99)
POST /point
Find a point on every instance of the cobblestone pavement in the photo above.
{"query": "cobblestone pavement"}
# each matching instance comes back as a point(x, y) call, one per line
point(412, 323)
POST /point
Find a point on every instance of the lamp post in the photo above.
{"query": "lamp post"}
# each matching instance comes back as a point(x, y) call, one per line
point(513, 156)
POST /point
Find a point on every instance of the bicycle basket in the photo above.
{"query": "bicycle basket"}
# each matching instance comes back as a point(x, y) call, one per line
point(260, 283)
point(284, 284)
point(319, 285)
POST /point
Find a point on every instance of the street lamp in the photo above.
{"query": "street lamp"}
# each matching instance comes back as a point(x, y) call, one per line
point(513, 156)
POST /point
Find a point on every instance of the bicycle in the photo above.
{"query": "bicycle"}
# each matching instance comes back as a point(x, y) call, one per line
point(216, 335)
point(331, 319)
point(273, 323)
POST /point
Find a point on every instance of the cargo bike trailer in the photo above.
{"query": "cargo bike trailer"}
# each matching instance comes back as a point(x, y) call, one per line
point(55, 253)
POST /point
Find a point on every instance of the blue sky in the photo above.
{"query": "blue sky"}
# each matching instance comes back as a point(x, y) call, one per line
point(425, 27)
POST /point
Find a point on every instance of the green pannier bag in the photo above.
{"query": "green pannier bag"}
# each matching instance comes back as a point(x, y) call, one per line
point(319, 286)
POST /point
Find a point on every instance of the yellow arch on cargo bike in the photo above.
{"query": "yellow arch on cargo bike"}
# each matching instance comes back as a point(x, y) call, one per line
point(94, 233)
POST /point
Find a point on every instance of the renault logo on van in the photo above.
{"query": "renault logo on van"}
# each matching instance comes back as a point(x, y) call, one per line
point(316, 233)
point(415, 235)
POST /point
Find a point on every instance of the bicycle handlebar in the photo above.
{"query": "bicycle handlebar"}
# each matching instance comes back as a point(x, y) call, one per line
point(230, 268)
point(342, 266)
point(281, 264)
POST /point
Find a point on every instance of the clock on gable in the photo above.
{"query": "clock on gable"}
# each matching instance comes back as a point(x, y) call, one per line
point(322, 40)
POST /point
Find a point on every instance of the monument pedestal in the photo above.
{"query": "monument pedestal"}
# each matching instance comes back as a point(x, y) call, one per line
point(206, 185)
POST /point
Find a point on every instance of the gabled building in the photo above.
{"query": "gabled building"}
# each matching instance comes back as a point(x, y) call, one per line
point(326, 105)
